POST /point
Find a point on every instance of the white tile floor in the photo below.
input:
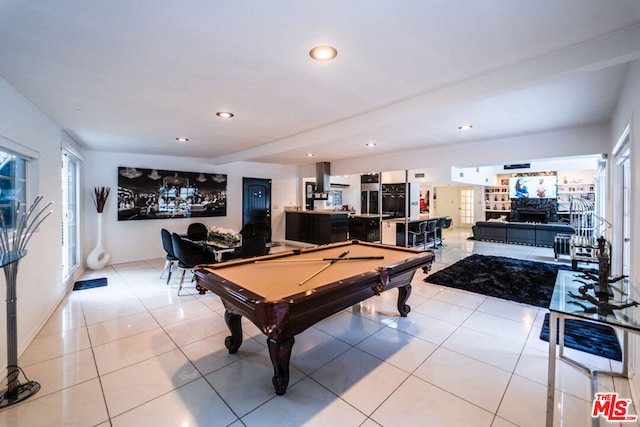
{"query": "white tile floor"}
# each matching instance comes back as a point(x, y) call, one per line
point(135, 354)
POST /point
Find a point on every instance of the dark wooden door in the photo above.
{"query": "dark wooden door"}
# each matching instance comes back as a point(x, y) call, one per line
point(256, 203)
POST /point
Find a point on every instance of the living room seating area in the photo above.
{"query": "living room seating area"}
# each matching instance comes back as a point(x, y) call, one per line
point(523, 233)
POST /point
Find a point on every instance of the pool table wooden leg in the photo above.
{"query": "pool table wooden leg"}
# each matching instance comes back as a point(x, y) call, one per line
point(280, 353)
point(234, 322)
point(403, 296)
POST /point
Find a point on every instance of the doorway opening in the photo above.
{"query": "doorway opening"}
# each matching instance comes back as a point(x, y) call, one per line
point(466, 206)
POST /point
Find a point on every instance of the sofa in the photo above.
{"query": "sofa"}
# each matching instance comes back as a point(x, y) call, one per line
point(523, 233)
point(493, 231)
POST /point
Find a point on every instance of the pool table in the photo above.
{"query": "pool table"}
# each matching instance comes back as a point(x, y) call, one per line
point(284, 294)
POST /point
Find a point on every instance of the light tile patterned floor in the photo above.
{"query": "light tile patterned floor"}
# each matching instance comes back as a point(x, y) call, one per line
point(135, 354)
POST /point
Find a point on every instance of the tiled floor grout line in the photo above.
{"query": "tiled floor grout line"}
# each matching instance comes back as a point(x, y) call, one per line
point(95, 364)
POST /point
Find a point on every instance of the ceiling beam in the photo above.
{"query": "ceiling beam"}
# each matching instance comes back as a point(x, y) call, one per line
point(609, 50)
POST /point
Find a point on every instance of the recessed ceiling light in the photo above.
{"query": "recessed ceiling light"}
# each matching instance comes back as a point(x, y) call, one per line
point(224, 114)
point(309, 154)
point(323, 53)
point(370, 144)
point(465, 127)
point(182, 139)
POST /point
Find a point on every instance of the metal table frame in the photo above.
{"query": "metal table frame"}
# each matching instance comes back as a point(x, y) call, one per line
point(15, 391)
point(561, 308)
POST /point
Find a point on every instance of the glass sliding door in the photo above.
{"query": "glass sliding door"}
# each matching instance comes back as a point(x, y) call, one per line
point(626, 213)
point(70, 214)
point(621, 205)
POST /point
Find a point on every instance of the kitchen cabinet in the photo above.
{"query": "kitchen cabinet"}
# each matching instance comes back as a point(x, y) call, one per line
point(317, 227)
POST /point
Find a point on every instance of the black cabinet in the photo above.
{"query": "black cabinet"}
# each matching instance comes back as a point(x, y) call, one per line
point(364, 228)
point(393, 200)
point(316, 228)
point(338, 228)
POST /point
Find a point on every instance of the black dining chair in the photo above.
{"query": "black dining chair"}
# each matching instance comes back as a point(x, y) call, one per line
point(254, 243)
point(253, 246)
point(170, 258)
point(197, 232)
point(189, 255)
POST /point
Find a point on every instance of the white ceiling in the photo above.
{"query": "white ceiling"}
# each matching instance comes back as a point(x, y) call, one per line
point(132, 76)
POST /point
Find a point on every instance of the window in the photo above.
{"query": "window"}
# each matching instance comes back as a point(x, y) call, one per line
point(12, 186)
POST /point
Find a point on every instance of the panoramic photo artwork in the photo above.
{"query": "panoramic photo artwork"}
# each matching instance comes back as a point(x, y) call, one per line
point(158, 194)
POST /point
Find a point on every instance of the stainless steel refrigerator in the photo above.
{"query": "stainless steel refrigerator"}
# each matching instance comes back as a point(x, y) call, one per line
point(369, 195)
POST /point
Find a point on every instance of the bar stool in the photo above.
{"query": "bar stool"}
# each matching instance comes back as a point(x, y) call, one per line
point(431, 230)
point(421, 231)
point(447, 224)
point(439, 227)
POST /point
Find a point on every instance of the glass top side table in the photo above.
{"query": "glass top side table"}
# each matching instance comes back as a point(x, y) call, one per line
point(567, 303)
point(7, 258)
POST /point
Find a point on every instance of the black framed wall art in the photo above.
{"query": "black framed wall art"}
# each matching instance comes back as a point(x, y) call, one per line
point(158, 194)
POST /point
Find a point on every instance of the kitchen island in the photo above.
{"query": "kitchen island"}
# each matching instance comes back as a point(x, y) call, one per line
point(317, 227)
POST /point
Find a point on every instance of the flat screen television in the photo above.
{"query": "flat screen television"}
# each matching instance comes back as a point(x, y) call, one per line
point(533, 187)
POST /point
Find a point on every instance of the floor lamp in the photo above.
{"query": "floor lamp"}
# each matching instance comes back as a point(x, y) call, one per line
point(13, 247)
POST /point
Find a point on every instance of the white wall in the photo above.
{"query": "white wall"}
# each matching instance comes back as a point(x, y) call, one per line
point(518, 149)
point(40, 286)
point(350, 194)
point(479, 175)
point(447, 202)
point(628, 111)
point(140, 240)
point(490, 175)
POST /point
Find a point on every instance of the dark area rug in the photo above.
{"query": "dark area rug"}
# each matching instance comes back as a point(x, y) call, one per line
point(89, 284)
point(593, 338)
point(528, 282)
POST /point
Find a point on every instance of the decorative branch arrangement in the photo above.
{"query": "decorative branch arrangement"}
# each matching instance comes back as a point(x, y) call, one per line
point(100, 198)
point(14, 246)
point(24, 227)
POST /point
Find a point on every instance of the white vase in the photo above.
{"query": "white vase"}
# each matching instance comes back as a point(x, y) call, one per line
point(99, 256)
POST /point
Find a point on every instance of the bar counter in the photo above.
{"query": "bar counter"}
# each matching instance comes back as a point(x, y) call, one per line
point(317, 227)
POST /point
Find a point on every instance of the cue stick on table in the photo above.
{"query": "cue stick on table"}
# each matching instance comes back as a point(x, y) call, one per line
point(342, 255)
point(353, 258)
